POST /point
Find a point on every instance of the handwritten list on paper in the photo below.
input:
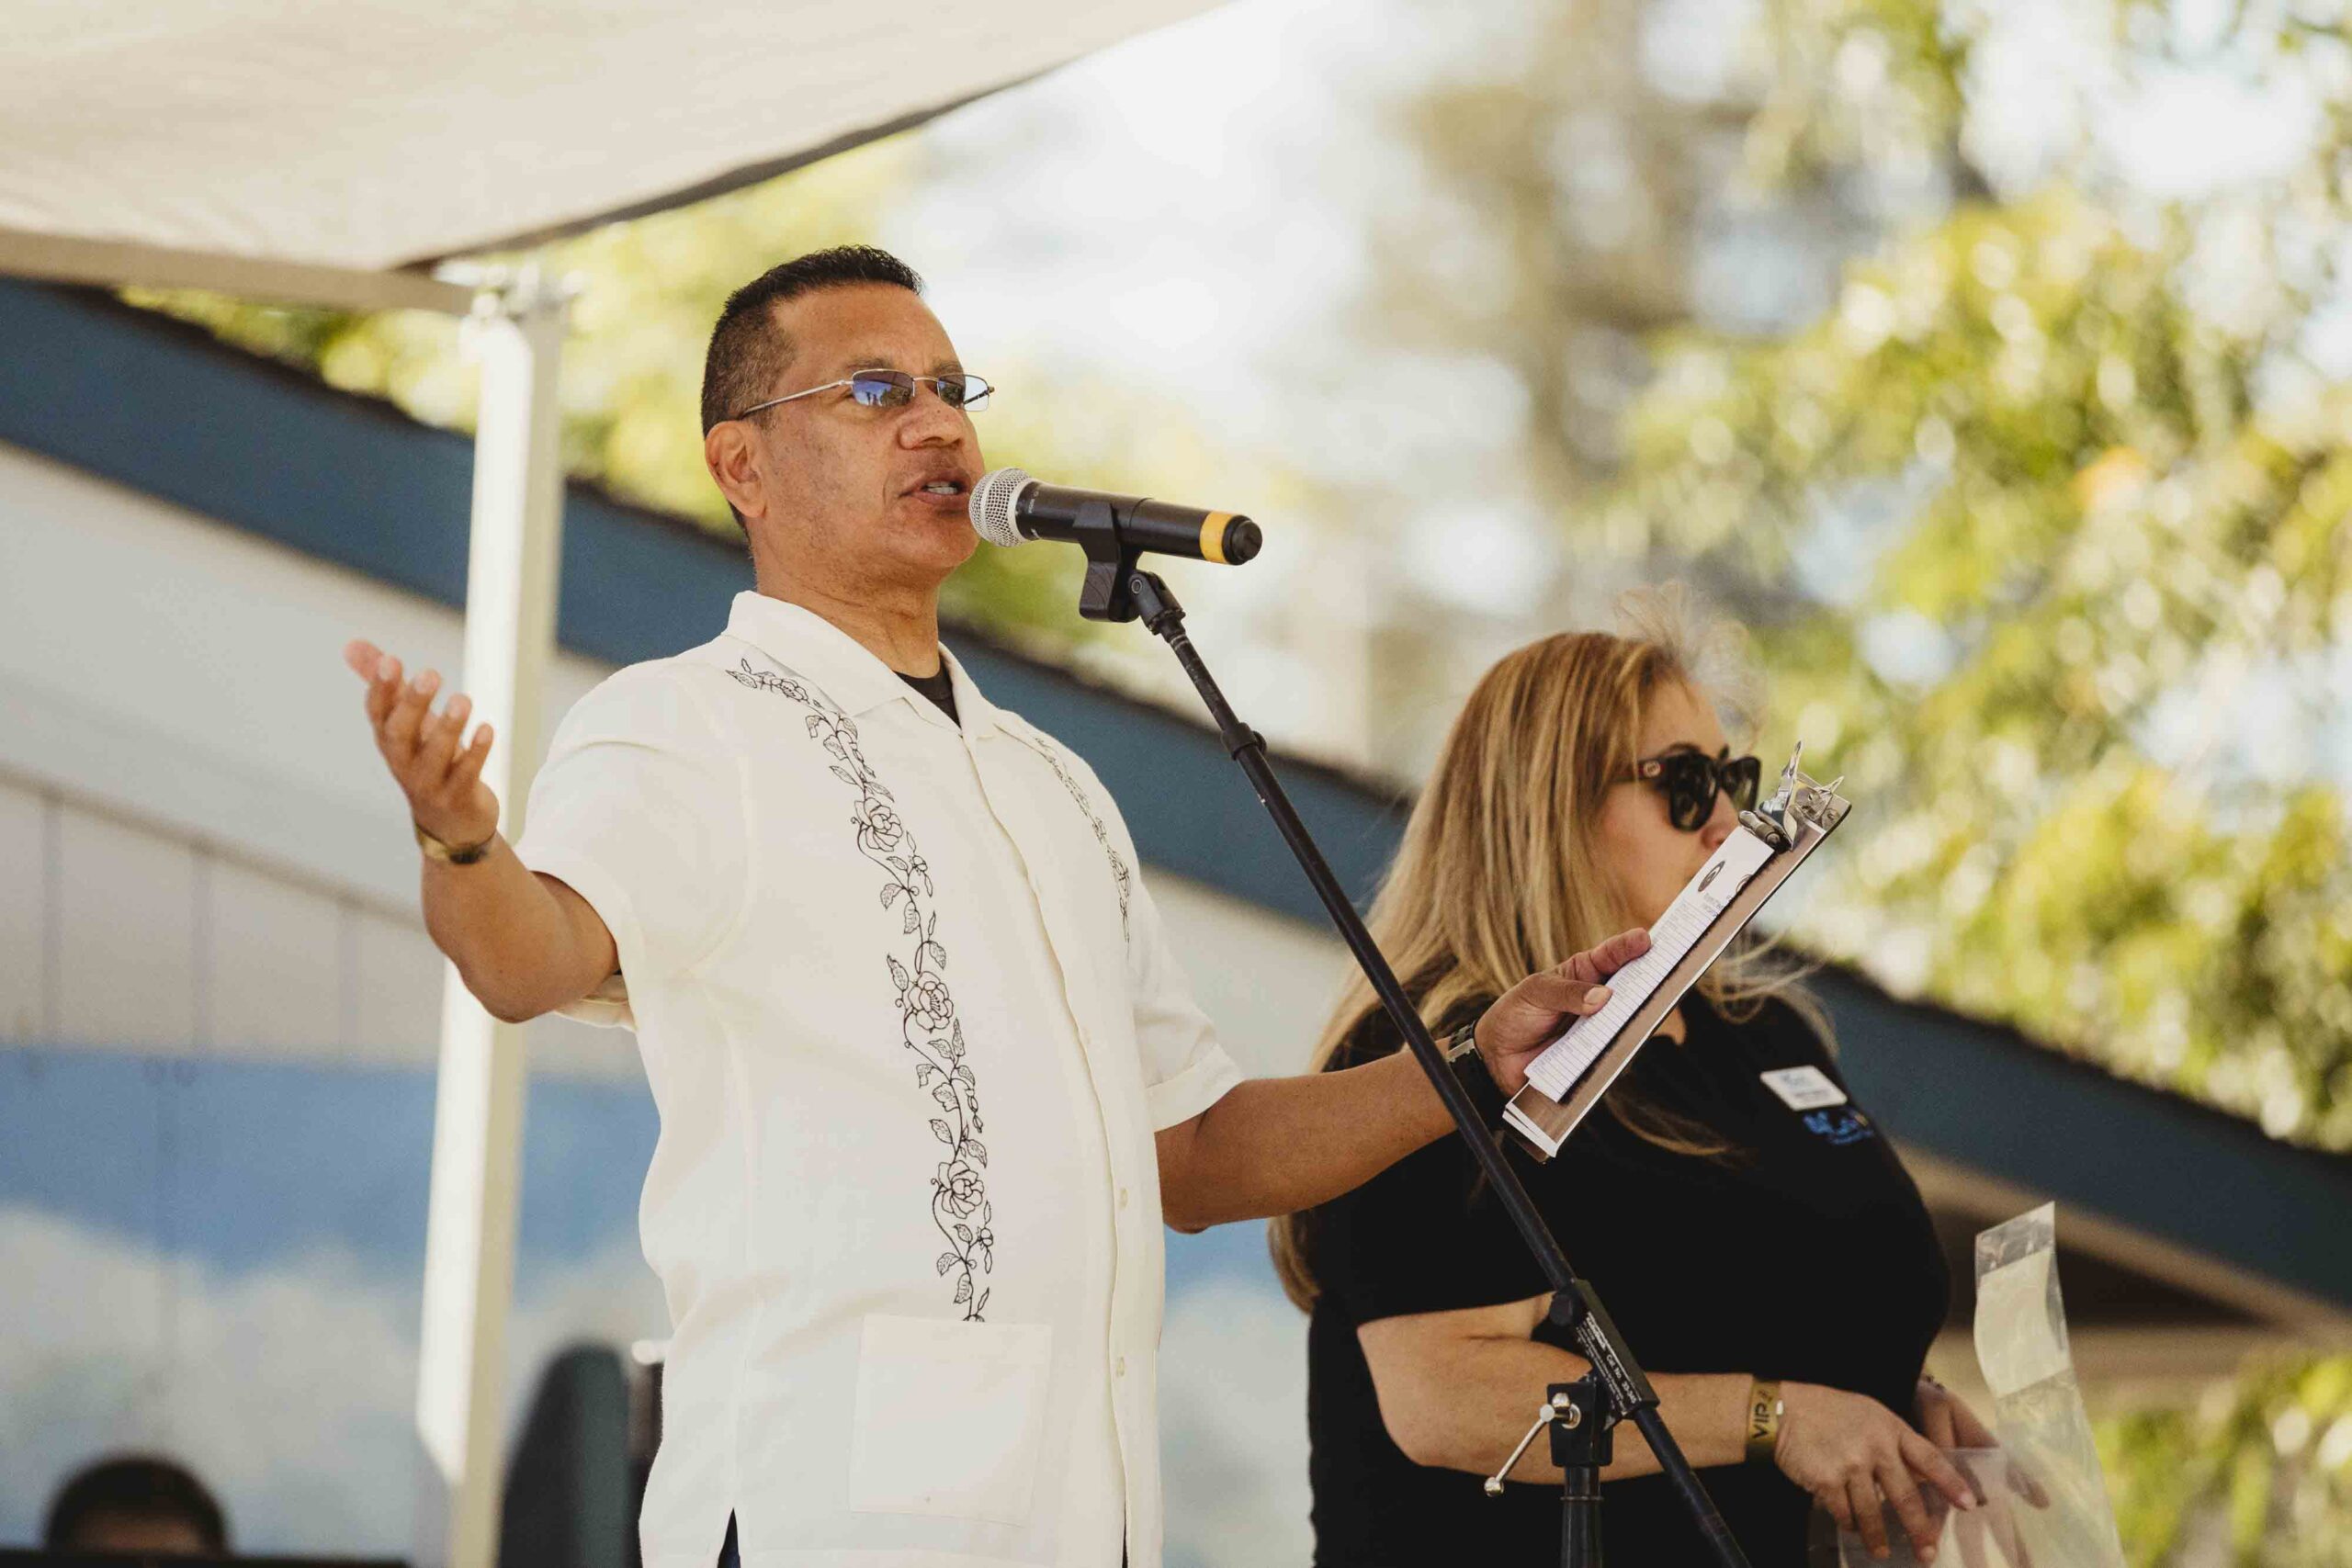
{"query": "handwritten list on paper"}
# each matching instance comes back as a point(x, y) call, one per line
point(1565, 1060)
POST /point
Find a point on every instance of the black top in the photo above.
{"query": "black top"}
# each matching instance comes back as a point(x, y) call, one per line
point(1809, 1256)
point(939, 688)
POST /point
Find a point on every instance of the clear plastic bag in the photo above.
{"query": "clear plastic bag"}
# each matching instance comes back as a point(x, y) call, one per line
point(2037, 1403)
point(2044, 1497)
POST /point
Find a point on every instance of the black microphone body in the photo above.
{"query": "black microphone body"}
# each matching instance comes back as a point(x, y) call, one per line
point(1009, 506)
point(1161, 527)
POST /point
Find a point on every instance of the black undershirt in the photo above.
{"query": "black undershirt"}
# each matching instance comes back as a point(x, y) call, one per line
point(939, 688)
point(1808, 1258)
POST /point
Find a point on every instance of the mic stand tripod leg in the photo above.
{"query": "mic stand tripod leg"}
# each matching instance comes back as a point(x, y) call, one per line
point(1581, 1446)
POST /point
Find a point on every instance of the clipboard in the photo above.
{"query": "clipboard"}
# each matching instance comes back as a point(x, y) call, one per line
point(1788, 827)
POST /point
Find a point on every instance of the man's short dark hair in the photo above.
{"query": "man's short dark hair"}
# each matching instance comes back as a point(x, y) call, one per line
point(134, 1486)
point(747, 348)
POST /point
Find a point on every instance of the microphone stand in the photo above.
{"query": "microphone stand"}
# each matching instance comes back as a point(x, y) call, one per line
point(1580, 1414)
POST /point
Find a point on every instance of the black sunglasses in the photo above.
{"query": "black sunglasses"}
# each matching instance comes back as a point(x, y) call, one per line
point(1691, 780)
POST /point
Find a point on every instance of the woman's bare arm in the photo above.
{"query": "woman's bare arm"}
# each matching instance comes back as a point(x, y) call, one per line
point(1458, 1389)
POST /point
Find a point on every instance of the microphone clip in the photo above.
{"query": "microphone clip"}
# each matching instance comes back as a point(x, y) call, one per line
point(1107, 594)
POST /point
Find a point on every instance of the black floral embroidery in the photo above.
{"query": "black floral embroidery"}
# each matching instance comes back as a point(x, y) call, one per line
point(927, 1023)
point(1119, 872)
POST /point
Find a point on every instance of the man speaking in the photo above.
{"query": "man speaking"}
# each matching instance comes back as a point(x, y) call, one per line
point(929, 1079)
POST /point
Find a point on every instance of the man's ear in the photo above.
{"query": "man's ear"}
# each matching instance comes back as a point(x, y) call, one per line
point(733, 459)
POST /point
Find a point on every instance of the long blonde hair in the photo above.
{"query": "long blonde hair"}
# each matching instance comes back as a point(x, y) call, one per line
point(1498, 877)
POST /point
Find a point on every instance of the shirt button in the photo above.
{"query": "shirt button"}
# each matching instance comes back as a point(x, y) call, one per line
point(1122, 1366)
point(1123, 1197)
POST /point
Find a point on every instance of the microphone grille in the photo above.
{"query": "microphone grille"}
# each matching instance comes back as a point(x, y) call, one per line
point(992, 506)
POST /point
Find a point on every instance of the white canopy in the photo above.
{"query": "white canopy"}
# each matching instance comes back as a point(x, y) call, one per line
point(375, 134)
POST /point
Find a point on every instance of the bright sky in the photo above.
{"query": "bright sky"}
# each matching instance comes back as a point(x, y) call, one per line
point(1191, 206)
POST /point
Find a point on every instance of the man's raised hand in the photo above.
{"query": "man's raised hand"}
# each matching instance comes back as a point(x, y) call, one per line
point(441, 778)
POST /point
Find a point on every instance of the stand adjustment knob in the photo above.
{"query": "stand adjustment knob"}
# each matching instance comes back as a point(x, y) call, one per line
point(1560, 1408)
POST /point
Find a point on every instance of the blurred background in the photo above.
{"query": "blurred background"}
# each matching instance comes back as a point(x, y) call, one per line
point(1987, 361)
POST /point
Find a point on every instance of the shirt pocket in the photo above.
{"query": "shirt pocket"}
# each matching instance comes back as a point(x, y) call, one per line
point(950, 1417)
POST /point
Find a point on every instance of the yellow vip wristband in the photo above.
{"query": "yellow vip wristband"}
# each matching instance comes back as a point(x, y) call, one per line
point(1763, 1420)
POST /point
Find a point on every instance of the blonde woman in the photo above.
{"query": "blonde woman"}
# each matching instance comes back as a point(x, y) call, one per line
point(1751, 1246)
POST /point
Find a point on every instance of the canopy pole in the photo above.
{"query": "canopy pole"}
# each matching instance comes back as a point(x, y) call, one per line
point(517, 331)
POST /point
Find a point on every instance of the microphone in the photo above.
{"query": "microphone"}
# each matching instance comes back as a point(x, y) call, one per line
point(1009, 508)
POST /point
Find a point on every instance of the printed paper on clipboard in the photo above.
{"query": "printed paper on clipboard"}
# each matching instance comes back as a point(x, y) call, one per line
point(1569, 1076)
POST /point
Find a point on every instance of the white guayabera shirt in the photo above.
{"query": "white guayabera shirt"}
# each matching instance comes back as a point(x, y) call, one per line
point(911, 1024)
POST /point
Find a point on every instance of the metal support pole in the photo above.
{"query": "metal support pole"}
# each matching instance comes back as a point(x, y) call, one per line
point(478, 1114)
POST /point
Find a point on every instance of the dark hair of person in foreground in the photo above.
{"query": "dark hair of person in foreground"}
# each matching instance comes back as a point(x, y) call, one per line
point(136, 1503)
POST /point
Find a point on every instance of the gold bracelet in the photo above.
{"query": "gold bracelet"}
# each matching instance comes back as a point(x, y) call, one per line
point(452, 854)
point(1763, 1420)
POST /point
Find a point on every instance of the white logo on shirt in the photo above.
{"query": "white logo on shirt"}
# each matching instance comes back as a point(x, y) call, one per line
point(1803, 1088)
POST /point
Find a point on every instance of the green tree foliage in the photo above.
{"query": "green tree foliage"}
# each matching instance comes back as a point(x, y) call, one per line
point(2098, 534)
point(2044, 497)
point(2259, 1476)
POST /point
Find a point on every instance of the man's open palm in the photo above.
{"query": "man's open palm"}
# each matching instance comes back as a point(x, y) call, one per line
point(441, 777)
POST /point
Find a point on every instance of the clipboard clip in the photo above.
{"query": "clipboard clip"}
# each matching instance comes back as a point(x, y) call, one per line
point(1799, 797)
